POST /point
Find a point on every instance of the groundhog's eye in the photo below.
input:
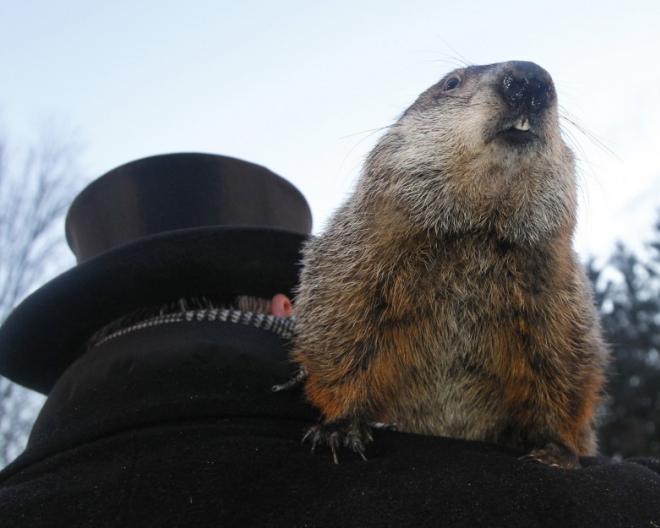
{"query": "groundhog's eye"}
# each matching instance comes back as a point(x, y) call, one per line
point(452, 83)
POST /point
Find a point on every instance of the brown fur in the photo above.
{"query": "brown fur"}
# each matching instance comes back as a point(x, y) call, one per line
point(444, 295)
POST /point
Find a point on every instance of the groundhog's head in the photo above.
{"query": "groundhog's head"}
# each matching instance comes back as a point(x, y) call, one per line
point(481, 149)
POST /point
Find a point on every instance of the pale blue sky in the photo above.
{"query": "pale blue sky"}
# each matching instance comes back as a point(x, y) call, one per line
point(291, 85)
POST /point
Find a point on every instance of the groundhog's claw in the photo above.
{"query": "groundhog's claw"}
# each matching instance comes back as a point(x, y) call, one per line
point(354, 442)
point(351, 435)
point(554, 455)
point(297, 379)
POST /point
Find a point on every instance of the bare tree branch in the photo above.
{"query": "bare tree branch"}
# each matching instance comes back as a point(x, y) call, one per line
point(35, 190)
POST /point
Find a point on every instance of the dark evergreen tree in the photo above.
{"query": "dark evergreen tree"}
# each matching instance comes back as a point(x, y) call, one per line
point(628, 297)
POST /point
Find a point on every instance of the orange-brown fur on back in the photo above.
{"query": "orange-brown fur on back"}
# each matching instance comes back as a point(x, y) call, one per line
point(445, 297)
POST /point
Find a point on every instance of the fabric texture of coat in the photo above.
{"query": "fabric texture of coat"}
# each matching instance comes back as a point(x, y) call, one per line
point(177, 426)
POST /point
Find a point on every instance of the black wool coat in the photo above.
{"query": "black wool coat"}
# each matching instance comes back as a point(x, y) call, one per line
point(176, 426)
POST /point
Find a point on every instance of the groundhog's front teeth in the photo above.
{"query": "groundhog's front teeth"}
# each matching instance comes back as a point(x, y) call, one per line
point(522, 124)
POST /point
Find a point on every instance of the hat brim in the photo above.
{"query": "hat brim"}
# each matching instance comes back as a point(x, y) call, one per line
point(48, 330)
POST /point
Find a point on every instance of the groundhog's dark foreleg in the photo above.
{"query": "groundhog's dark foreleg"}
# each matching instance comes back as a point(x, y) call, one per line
point(348, 398)
point(554, 454)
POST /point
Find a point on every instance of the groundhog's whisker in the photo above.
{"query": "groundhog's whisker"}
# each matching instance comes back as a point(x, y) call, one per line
point(369, 131)
point(563, 115)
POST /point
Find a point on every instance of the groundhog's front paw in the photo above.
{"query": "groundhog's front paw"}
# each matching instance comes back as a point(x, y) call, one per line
point(351, 434)
point(554, 455)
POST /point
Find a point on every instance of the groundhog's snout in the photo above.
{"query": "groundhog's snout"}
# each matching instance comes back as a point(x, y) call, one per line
point(526, 87)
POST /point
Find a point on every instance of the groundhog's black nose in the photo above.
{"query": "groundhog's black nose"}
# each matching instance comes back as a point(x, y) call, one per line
point(525, 84)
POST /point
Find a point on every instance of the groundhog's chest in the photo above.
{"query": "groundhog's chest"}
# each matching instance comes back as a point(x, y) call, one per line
point(480, 330)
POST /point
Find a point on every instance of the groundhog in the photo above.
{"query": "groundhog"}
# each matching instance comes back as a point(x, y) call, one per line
point(444, 297)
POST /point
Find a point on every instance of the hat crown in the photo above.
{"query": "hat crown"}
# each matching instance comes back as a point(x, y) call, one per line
point(169, 192)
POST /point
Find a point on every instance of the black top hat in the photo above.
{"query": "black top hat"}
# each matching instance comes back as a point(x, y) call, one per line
point(149, 232)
